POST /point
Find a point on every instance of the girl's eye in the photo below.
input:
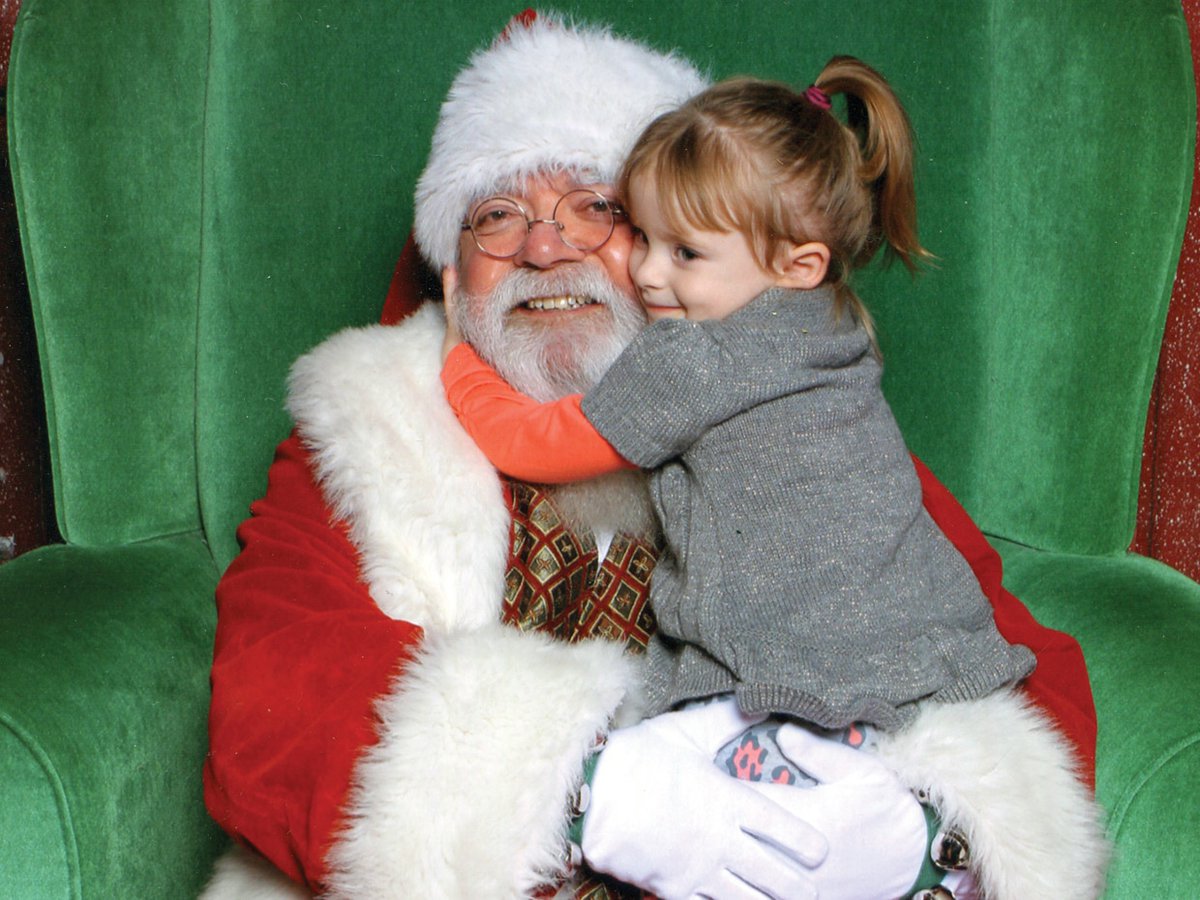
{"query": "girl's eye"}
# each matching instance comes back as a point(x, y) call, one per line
point(685, 254)
point(639, 236)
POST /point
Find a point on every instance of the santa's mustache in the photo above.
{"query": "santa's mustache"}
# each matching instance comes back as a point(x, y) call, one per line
point(547, 358)
point(583, 283)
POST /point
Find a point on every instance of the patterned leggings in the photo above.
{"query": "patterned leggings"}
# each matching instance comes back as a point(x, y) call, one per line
point(755, 755)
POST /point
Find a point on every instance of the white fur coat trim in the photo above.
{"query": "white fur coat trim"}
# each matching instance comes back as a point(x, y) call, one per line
point(424, 506)
point(998, 771)
point(430, 524)
point(428, 517)
point(438, 812)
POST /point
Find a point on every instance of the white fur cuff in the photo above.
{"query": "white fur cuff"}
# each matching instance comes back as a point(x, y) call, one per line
point(482, 743)
point(999, 772)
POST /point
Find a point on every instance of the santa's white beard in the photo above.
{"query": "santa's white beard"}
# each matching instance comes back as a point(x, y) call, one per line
point(553, 354)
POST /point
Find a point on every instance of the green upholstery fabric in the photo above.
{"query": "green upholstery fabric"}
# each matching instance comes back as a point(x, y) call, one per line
point(316, 132)
point(103, 692)
point(208, 187)
point(105, 149)
point(346, 100)
point(1139, 623)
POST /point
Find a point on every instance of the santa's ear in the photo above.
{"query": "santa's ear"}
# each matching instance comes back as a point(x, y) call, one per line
point(449, 287)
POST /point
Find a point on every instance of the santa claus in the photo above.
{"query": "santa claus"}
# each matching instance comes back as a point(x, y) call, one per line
point(417, 662)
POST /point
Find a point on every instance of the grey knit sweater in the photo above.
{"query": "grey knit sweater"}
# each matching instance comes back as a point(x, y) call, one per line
point(801, 570)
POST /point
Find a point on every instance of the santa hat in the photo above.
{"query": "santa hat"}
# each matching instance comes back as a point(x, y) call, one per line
point(546, 96)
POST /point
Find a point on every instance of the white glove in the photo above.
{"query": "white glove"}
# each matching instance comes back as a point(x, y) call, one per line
point(663, 817)
point(875, 827)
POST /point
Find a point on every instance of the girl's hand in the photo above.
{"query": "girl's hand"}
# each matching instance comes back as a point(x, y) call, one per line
point(449, 290)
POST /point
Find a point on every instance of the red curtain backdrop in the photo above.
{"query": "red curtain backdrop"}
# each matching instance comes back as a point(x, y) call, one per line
point(1168, 526)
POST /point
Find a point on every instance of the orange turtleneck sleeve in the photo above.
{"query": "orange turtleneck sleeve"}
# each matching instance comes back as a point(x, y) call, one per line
point(546, 443)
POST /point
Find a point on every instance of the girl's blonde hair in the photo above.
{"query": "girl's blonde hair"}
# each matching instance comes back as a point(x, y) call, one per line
point(776, 165)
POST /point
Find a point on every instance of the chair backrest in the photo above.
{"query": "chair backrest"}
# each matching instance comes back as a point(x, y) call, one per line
point(107, 174)
point(207, 187)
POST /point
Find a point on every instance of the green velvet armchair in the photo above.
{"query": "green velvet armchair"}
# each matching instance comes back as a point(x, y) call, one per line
point(206, 188)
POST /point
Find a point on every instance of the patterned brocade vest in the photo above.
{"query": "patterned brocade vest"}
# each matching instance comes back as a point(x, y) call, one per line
point(557, 583)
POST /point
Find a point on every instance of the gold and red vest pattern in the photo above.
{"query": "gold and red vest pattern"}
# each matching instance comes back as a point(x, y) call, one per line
point(556, 582)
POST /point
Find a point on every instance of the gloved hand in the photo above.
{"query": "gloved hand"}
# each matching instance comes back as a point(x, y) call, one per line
point(663, 817)
point(875, 827)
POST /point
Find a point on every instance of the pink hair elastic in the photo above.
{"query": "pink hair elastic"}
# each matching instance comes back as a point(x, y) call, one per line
point(817, 97)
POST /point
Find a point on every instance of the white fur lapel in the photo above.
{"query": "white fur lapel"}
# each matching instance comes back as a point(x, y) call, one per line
point(500, 720)
point(481, 744)
point(425, 508)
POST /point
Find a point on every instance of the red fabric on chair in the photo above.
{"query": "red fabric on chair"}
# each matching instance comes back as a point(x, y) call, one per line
point(412, 282)
point(1168, 520)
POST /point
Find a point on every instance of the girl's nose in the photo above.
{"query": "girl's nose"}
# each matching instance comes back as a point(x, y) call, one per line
point(645, 270)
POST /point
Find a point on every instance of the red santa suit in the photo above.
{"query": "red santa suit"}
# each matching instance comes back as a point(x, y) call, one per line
point(378, 731)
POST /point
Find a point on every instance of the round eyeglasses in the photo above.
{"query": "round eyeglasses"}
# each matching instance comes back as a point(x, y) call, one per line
point(584, 220)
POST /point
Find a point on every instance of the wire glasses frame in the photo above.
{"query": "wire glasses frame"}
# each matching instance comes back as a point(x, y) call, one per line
point(583, 218)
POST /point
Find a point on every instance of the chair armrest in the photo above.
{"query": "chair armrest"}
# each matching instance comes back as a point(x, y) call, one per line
point(104, 658)
point(1138, 622)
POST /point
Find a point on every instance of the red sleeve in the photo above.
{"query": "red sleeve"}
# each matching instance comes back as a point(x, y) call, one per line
point(1060, 683)
point(546, 443)
point(301, 654)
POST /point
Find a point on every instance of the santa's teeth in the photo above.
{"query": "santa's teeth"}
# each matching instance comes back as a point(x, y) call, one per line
point(568, 302)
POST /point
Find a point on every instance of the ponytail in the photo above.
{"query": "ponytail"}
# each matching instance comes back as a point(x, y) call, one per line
point(884, 137)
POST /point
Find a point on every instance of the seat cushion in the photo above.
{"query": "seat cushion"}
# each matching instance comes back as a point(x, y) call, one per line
point(1138, 622)
point(104, 657)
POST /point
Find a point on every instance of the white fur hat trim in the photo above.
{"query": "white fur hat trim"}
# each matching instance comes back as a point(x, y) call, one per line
point(547, 97)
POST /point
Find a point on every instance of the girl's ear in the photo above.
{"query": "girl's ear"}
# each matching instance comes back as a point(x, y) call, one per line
point(802, 265)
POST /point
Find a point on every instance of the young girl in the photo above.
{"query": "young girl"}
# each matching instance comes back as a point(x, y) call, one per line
point(800, 572)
